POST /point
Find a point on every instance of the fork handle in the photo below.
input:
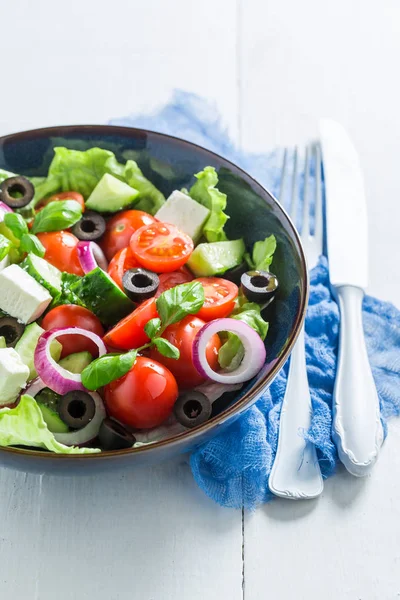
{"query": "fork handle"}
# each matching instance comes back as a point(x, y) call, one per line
point(296, 474)
point(357, 428)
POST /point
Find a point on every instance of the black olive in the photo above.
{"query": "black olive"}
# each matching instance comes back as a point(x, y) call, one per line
point(11, 330)
point(140, 284)
point(76, 409)
point(236, 273)
point(192, 409)
point(113, 436)
point(259, 286)
point(16, 191)
point(90, 227)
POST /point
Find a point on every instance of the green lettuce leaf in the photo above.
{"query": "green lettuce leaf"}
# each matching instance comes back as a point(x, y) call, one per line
point(5, 175)
point(262, 255)
point(205, 192)
point(24, 426)
point(150, 199)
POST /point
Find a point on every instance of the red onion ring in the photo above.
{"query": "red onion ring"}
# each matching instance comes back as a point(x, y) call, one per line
point(91, 256)
point(4, 208)
point(55, 377)
point(254, 351)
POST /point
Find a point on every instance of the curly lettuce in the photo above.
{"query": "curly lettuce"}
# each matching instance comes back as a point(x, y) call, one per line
point(205, 192)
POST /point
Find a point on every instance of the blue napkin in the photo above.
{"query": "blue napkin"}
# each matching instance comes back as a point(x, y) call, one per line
point(234, 467)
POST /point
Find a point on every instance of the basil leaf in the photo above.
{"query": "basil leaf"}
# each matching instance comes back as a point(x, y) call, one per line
point(30, 243)
point(166, 348)
point(56, 216)
point(5, 246)
point(16, 224)
point(178, 302)
point(152, 327)
point(106, 369)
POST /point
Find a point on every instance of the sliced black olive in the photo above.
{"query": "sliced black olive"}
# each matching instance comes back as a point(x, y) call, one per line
point(236, 273)
point(192, 409)
point(259, 286)
point(16, 191)
point(11, 330)
point(113, 436)
point(140, 284)
point(76, 409)
point(90, 227)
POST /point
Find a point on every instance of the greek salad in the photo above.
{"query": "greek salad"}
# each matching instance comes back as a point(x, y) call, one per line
point(123, 315)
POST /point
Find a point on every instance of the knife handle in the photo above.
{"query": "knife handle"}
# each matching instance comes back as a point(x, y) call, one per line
point(357, 428)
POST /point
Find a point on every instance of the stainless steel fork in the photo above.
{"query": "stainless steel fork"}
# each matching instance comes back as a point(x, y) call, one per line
point(296, 473)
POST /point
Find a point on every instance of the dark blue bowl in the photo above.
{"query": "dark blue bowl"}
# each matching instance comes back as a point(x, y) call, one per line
point(170, 163)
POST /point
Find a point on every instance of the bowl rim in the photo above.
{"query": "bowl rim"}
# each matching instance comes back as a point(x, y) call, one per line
point(248, 397)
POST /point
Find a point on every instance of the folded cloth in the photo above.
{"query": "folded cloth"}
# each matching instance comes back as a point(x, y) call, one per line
point(234, 467)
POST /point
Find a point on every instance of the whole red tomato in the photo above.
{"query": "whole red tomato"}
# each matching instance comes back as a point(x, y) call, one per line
point(182, 335)
point(144, 397)
point(120, 229)
point(61, 251)
point(70, 315)
point(170, 280)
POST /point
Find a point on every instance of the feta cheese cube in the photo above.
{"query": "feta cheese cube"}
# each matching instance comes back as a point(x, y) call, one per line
point(21, 296)
point(188, 215)
point(13, 375)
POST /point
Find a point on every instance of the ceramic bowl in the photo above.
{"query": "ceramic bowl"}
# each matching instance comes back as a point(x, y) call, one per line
point(254, 213)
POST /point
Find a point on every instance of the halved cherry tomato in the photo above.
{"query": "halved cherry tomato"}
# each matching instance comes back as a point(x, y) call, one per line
point(70, 315)
point(61, 250)
point(220, 295)
point(182, 335)
point(120, 229)
point(161, 247)
point(129, 333)
point(144, 397)
point(170, 280)
point(62, 196)
point(121, 262)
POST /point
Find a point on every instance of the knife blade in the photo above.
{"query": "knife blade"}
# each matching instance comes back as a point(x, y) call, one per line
point(357, 429)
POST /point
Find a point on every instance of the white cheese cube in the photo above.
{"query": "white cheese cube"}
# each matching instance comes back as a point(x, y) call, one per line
point(13, 375)
point(188, 215)
point(21, 296)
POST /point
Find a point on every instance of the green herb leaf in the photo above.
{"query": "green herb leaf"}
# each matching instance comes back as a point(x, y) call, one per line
point(16, 224)
point(106, 369)
point(5, 246)
point(56, 216)
point(67, 296)
point(152, 327)
point(262, 255)
point(205, 192)
point(30, 243)
point(178, 302)
point(166, 348)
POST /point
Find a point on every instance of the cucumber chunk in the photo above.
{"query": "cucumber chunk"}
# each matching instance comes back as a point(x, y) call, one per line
point(75, 363)
point(52, 419)
point(26, 346)
point(44, 273)
point(216, 257)
point(111, 194)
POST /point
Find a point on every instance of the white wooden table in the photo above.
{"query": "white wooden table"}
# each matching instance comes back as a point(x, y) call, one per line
point(272, 67)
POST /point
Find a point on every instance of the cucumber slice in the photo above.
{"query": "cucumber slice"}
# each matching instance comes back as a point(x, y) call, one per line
point(216, 257)
point(26, 346)
point(111, 194)
point(44, 273)
point(103, 297)
point(52, 419)
point(3, 342)
point(75, 363)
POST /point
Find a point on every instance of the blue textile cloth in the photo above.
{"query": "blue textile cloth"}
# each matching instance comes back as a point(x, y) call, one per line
point(234, 467)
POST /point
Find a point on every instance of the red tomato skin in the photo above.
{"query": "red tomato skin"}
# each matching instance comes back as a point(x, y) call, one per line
point(70, 315)
point(120, 229)
point(182, 335)
point(129, 332)
point(62, 196)
point(122, 261)
point(144, 397)
point(61, 251)
point(220, 297)
point(161, 247)
point(170, 280)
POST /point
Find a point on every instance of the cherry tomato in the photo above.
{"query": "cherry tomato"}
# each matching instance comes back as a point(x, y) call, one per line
point(144, 397)
point(220, 295)
point(120, 229)
point(121, 262)
point(182, 335)
point(129, 333)
point(170, 280)
point(161, 247)
point(61, 250)
point(70, 315)
point(62, 196)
